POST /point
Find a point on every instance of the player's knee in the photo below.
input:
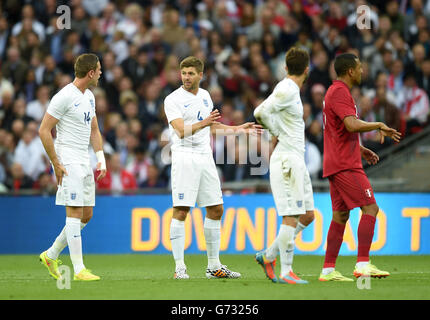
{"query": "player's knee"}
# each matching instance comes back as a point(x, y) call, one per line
point(372, 210)
point(180, 213)
point(307, 218)
point(86, 219)
point(215, 212)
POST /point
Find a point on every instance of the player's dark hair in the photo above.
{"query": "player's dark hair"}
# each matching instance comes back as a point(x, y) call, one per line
point(344, 62)
point(85, 63)
point(296, 60)
point(192, 62)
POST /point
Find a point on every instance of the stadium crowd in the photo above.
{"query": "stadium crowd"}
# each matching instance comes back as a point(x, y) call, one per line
point(243, 45)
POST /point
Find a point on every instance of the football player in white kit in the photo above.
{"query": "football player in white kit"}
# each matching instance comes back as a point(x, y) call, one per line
point(72, 111)
point(282, 114)
point(194, 174)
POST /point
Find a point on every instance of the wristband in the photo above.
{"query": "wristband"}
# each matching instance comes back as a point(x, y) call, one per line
point(101, 159)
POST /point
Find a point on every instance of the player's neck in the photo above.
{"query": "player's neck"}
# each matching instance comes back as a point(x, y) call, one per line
point(298, 79)
point(347, 81)
point(81, 84)
point(192, 90)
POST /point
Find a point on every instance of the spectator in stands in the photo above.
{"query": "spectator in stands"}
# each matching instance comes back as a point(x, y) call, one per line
point(312, 159)
point(18, 180)
point(423, 79)
point(45, 184)
point(37, 108)
point(117, 179)
point(256, 31)
point(14, 68)
point(385, 111)
point(28, 14)
point(153, 178)
point(416, 105)
point(30, 153)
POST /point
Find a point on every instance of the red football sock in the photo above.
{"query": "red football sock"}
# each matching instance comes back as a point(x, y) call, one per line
point(366, 229)
point(334, 241)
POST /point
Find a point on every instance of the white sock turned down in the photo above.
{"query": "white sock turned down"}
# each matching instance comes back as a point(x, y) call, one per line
point(273, 250)
point(74, 241)
point(177, 238)
point(59, 244)
point(212, 231)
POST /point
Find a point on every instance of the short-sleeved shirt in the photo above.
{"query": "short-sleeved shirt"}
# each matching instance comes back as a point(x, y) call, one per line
point(341, 147)
point(74, 110)
point(287, 112)
point(192, 108)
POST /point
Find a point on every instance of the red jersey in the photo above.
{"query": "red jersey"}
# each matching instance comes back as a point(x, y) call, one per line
point(341, 147)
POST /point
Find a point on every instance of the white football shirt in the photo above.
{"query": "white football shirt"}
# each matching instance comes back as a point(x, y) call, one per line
point(192, 108)
point(74, 110)
point(286, 106)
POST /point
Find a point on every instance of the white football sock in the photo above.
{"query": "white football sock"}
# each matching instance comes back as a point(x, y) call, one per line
point(212, 231)
point(272, 252)
point(361, 264)
point(299, 228)
point(59, 244)
point(286, 248)
point(74, 241)
point(177, 238)
point(326, 271)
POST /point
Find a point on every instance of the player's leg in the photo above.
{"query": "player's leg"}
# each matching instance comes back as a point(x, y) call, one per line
point(73, 235)
point(365, 233)
point(60, 242)
point(286, 250)
point(334, 242)
point(212, 231)
point(185, 175)
point(177, 239)
point(307, 218)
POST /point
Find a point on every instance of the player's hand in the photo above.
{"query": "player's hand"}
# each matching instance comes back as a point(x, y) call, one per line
point(368, 155)
point(386, 131)
point(59, 171)
point(251, 128)
point(212, 118)
point(102, 173)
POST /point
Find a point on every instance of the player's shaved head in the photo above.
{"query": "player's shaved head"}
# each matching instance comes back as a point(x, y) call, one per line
point(345, 62)
point(297, 60)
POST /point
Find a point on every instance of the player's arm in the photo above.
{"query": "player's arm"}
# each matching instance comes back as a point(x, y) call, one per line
point(368, 155)
point(48, 123)
point(183, 130)
point(276, 102)
point(246, 128)
point(353, 124)
point(97, 143)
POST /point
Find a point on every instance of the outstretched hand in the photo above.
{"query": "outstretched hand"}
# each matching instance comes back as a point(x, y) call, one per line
point(386, 131)
point(251, 128)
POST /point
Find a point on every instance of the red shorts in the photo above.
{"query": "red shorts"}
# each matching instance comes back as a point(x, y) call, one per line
point(350, 189)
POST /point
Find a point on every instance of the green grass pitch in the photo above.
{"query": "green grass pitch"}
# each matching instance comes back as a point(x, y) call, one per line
point(147, 277)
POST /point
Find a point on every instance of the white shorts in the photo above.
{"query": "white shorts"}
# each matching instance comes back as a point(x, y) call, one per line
point(290, 183)
point(77, 188)
point(195, 179)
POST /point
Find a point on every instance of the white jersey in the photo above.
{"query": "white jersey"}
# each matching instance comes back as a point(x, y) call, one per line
point(192, 108)
point(74, 110)
point(286, 108)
